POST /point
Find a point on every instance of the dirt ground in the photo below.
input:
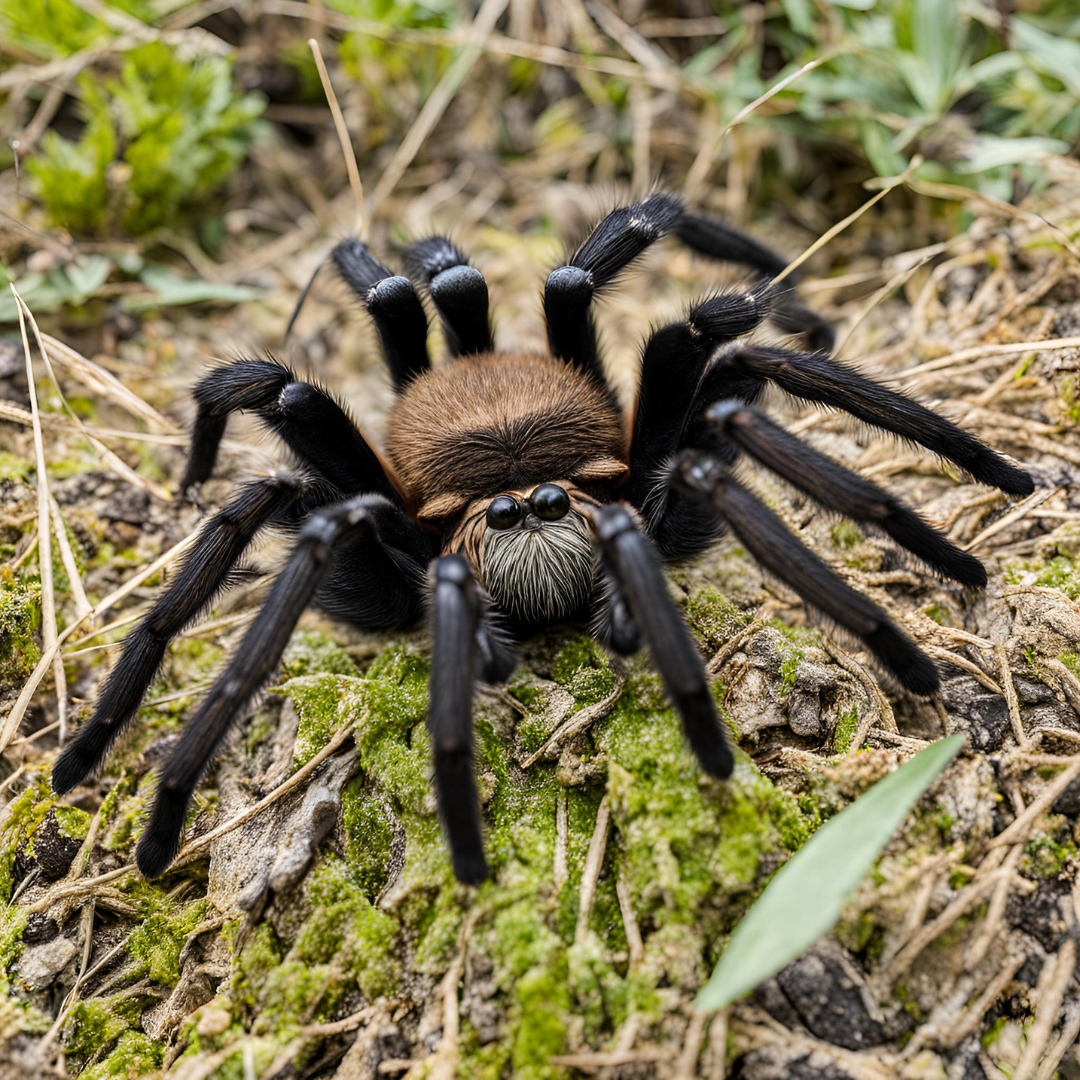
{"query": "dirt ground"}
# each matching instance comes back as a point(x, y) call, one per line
point(311, 927)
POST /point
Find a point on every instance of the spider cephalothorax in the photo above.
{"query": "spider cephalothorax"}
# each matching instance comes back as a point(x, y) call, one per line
point(515, 494)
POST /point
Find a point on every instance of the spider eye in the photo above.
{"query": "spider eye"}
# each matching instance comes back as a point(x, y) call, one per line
point(503, 512)
point(549, 502)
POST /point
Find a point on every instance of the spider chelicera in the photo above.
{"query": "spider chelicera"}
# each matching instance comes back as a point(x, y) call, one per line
point(514, 494)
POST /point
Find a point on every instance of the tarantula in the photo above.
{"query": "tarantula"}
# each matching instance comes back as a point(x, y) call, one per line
point(515, 494)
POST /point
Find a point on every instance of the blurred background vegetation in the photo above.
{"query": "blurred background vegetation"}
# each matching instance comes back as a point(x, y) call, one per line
point(138, 119)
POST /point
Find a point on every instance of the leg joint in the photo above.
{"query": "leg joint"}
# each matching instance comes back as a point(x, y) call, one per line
point(570, 287)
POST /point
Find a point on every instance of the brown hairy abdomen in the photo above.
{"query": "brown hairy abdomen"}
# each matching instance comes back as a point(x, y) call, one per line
point(479, 425)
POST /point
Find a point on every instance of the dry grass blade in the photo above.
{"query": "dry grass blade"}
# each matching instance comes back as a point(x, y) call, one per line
point(18, 710)
point(344, 139)
point(96, 379)
point(594, 861)
point(191, 850)
point(496, 44)
point(840, 226)
point(699, 170)
point(958, 193)
point(883, 293)
point(1021, 510)
point(44, 514)
point(978, 352)
point(67, 557)
point(108, 458)
point(1019, 829)
point(439, 99)
point(1054, 979)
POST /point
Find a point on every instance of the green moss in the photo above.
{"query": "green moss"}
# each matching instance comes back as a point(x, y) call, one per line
point(789, 670)
point(345, 928)
point(73, 822)
point(714, 617)
point(538, 1021)
point(1072, 662)
point(846, 726)
point(127, 806)
point(155, 944)
point(20, 620)
point(368, 835)
point(487, 1062)
point(23, 816)
point(845, 535)
point(343, 945)
point(940, 615)
point(855, 935)
point(795, 640)
point(523, 689)
point(1058, 572)
point(1045, 858)
point(1070, 398)
point(690, 845)
point(312, 652)
point(583, 669)
point(15, 468)
point(324, 704)
point(992, 1035)
point(96, 1025)
point(134, 1055)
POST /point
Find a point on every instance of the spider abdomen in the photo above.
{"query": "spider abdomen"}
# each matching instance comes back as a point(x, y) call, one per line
point(487, 423)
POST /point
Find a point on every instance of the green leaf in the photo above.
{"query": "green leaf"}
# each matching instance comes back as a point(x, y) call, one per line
point(937, 30)
point(806, 897)
point(801, 17)
point(88, 274)
point(71, 284)
point(169, 290)
point(1058, 56)
point(990, 152)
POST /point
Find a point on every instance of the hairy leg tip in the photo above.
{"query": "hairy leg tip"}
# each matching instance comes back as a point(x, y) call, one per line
point(470, 868)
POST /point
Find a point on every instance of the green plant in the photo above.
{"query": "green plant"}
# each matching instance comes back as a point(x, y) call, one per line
point(54, 28)
point(936, 78)
point(180, 129)
point(805, 898)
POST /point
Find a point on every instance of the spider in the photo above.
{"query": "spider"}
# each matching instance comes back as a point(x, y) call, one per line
point(515, 494)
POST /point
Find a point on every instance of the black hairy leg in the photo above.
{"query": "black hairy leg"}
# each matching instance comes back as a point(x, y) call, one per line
point(455, 618)
point(624, 235)
point(204, 573)
point(305, 417)
point(393, 305)
point(717, 240)
point(390, 300)
point(458, 291)
point(731, 423)
point(351, 524)
point(673, 366)
point(642, 604)
point(379, 585)
point(465, 647)
point(772, 545)
point(818, 378)
point(610, 248)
